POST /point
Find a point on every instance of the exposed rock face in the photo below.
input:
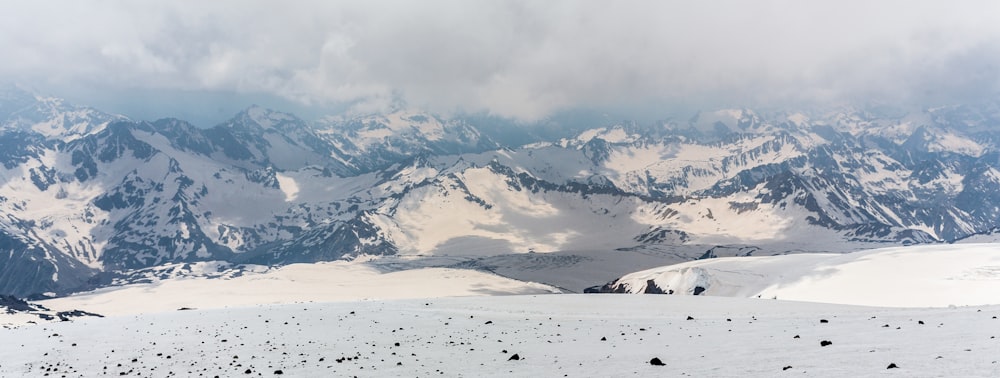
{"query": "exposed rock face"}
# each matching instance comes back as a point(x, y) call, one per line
point(13, 305)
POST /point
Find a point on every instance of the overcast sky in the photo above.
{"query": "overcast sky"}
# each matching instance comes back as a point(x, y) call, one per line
point(509, 58)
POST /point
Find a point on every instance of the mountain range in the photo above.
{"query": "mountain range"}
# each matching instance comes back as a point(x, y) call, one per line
point(88, 196)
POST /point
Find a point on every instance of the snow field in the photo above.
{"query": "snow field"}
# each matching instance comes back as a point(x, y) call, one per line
point(553, 335)
point(320, 282)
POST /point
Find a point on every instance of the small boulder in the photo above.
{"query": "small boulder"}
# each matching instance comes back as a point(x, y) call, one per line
point(656, 362)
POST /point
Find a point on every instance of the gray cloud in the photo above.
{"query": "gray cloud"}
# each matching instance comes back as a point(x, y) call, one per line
point(511, 58)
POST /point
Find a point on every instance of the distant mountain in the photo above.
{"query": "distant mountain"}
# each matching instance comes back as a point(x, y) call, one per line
point(23, 111)
point(86, 194)
point(373, 142)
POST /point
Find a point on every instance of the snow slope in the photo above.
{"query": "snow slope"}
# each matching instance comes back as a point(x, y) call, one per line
point(917, 276)
point(320, 282)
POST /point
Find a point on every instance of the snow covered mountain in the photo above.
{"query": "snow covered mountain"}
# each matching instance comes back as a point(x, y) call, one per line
point(88, 197)
point(21, 110)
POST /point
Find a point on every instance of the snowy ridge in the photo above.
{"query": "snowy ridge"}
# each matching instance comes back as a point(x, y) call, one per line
point(917, 276)
point(50, 117)
point(371, 142)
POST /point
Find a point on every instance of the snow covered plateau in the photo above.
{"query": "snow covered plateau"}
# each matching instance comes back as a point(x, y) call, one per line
point(348, 319)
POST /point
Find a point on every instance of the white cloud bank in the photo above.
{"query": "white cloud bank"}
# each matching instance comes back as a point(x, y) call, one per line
point(511, 58)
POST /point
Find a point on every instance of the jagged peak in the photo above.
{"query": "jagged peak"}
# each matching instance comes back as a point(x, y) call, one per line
point(722, 121)
point(262, 117)
point(396, 119)
point(14, 91)
point(617, 133)
point(23, 109)
point(173, 122)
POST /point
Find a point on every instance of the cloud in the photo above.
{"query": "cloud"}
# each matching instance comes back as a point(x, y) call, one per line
point(523, 59)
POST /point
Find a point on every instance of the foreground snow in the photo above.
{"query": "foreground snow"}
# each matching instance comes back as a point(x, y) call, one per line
point(554, 335)
point(917, 276)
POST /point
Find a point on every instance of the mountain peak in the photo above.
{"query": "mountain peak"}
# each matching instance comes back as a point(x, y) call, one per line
point(12, 91)
point(264, 117)
point(13, 98)
point(53, 117)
